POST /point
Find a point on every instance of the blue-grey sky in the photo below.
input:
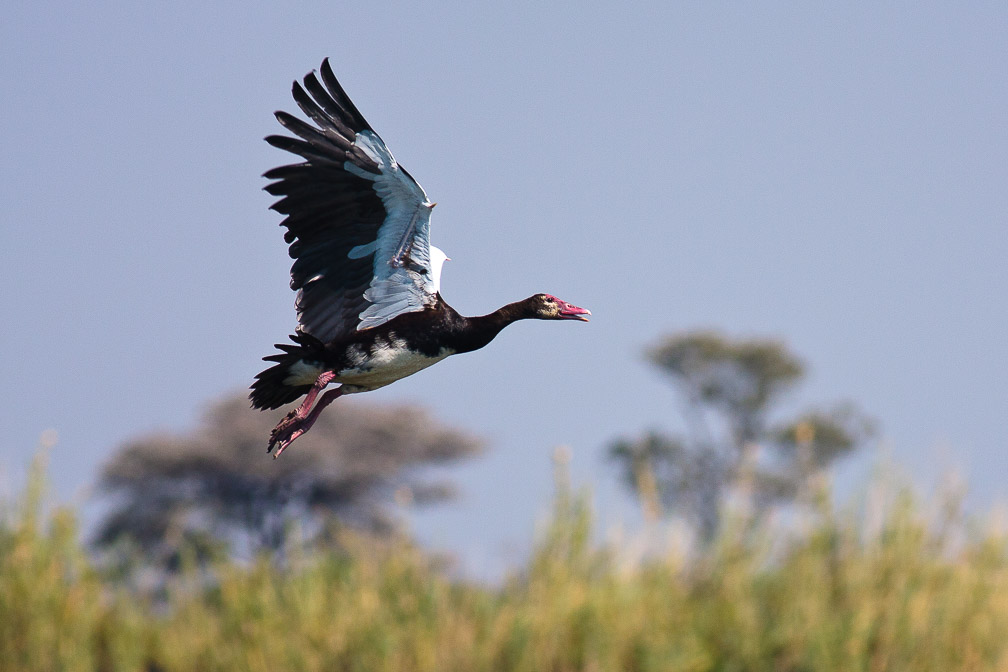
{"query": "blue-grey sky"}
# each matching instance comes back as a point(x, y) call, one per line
point(836, 177)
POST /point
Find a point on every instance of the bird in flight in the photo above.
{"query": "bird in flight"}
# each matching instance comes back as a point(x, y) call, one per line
point(369, 306)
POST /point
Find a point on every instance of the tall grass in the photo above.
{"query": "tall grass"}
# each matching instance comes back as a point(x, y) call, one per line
point(911, 593)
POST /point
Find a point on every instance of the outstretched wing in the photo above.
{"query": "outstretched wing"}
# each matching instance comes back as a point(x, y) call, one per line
point(358, 224)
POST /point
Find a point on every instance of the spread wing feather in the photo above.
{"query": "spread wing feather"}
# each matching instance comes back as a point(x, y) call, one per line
point(357, 223)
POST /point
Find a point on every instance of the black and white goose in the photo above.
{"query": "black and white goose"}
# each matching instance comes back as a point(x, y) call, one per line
point(367, 278)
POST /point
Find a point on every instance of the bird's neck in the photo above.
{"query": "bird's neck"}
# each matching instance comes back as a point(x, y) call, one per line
point(475, 332)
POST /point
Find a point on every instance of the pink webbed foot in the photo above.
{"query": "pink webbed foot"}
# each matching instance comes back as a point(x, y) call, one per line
point(286, 431)
point(299, 421)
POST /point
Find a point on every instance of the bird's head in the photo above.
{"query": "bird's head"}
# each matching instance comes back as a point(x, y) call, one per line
point(549, 307)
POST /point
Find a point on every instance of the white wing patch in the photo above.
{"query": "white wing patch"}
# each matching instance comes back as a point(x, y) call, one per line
point(437, 259)
point(397, 287)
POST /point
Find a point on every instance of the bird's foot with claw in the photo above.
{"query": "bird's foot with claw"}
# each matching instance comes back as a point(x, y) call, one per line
point(288, 429)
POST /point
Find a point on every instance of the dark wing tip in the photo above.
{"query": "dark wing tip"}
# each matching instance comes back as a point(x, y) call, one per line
point(278, 141)
point(339, 94)
point(326, 69)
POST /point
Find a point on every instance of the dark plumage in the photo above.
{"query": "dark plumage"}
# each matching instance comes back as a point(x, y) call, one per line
point(368, 281)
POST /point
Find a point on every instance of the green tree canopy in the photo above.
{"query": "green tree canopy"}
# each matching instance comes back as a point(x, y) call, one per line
point(728, 390)
point(170, 490)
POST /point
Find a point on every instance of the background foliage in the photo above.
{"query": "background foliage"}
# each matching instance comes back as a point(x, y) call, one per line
point(213, 491)
point(890, 590)
point(735, 444)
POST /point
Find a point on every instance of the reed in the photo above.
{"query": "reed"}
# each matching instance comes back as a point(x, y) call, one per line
point(893, 590)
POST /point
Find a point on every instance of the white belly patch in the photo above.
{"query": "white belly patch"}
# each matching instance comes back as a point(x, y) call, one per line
point(388, 362)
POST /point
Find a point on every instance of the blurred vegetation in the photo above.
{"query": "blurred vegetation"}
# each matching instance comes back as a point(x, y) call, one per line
point(214, 491)
point(890, 589)
point(732, 447)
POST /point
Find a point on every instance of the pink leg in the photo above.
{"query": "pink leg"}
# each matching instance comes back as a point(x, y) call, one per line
point(299, 421)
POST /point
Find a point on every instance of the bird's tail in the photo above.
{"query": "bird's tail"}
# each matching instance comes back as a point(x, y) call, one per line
point(293, 374)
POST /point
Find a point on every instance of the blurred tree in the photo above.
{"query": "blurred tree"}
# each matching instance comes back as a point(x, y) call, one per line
point(207, 491)
point(728, 389)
